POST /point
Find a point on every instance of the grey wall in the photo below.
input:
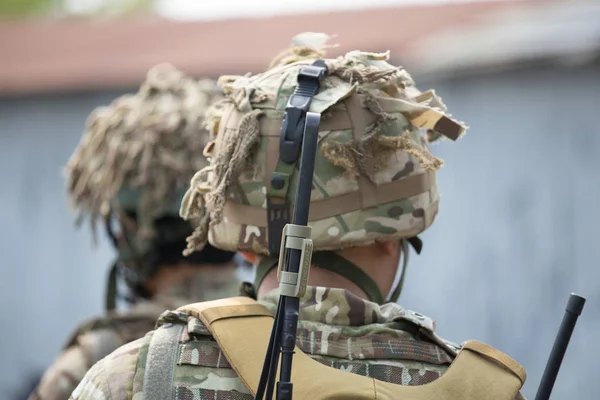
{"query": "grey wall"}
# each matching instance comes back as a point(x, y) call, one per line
point(51, 276)
point(516, 232)
point(519, 222)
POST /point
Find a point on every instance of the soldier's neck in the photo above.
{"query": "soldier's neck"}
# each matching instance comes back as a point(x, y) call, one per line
point(379, 261)
point(318, 277)
point(170, 276)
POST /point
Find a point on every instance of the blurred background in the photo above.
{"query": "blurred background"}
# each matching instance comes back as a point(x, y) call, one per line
point(519, 219)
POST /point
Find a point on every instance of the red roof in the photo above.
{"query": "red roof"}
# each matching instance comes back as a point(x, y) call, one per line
point(75, 54)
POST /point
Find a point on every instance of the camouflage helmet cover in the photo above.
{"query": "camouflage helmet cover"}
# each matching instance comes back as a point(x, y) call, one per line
point(374, 177)
point(140, 152)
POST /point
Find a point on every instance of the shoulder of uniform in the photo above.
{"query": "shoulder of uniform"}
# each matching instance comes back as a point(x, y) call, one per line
point(454, 346)
point(195, 346)
point(63, 375)
point(113, 376)
point(94, 385)
point(130, 324)
point(128, 351)
point(426, 327)
point(195, 338)
point(418, 319)
point(194, 324)
point(190, 314)
point(396, 313)
point(83, 328)
point(180, 339)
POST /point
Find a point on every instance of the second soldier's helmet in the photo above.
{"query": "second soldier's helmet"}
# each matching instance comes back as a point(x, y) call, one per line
point(132, 167)
point(374, 177)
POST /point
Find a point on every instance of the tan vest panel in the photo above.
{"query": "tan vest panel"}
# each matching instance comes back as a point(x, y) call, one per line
point(242, 328)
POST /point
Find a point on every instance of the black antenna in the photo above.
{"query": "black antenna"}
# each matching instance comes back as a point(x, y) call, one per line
point(298, 140)
point(572, 312)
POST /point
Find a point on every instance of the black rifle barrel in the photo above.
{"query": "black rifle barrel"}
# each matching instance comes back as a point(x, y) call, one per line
point(572, 312)
point(300, 217)
point(298, 139)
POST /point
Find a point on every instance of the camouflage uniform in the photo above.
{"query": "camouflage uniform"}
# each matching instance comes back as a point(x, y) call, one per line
point(133, 162)
point(97, 338)
point(336, 328)
point(374, 180)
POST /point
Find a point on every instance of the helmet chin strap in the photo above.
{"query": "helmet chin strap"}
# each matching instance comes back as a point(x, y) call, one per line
point(333, 262)
point(110, 300)
point(396, 288)
point(416, 244)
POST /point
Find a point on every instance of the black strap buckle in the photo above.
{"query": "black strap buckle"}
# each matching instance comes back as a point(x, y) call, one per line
point(290, 143)
point(278, 215)
point(292, 128)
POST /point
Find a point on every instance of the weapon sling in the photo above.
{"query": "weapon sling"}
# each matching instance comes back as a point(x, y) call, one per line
point(298, 142)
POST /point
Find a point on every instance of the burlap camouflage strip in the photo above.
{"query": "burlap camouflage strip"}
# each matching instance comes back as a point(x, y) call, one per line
point(149, 143)
point(374, 175)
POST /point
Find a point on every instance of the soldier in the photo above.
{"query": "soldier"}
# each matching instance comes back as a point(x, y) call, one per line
point(132, 167)
point(374, 191)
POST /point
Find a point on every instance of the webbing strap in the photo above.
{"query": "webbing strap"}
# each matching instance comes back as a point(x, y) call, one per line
point(278, 203)
point(335, 263)
point(160, 362)
point(265, 265)
point(338, 264)
point(110, 301)
point(367, 188)
point(396, 292)
point(345, 268)
point(329, 207)
point(418, 114)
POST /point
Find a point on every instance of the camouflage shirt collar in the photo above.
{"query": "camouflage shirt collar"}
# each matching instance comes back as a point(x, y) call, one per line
point(340, 307)
point(203, 285)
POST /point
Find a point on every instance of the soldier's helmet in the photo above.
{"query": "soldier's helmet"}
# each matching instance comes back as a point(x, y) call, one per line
point(374, 177)
point(132, 166)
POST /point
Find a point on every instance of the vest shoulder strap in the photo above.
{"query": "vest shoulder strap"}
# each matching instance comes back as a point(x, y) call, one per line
point(160, 363)
point(241, 326)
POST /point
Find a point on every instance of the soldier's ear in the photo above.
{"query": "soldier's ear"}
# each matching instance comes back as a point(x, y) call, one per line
point(388, 248)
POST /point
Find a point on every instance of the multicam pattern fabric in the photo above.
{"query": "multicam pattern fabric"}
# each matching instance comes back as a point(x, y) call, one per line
point(374, 176)
point(97, 338)
point(336, 328)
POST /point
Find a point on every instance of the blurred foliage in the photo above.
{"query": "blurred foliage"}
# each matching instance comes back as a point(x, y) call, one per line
point(123, 7)
point(21, 8)
point(24, 7)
